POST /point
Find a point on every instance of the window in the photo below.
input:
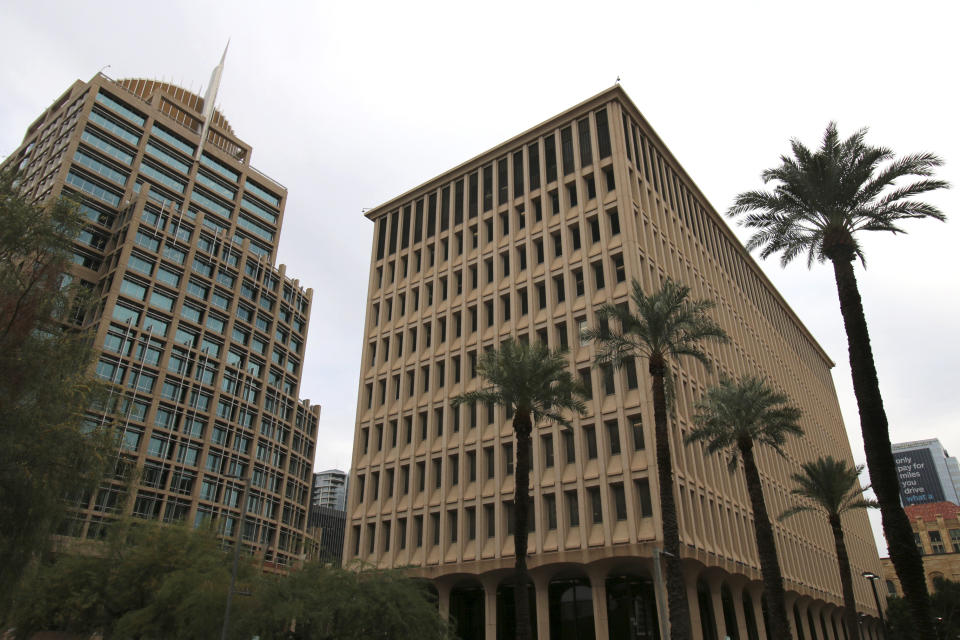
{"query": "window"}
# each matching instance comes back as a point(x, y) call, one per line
point(550, 506)
point(583, 134)
point(587, 381)
point(491, 461)
point(618, 268)
point(471, 466)
point(508, 458)
point(596, 506)
point(546, 443)
point(955, 540)
point(591, 436)
point(578, 281)
point(558, 287)
point(490, 517)
point(609, 387)
point(568, 446)
point(573, 509)
point(575, 237)
point(619, 501)
point(642, 486)
point(613, 436)
point(936, 542)
point(630, 366)
point(598, 275)
point(594, 225)
point(636, 427)
point(613, 218)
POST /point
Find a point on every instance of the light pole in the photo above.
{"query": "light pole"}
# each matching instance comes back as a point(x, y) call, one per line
point(872, 577)
point(236, 555)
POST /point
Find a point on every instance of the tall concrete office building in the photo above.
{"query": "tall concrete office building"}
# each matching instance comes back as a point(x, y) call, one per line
point(526, 241)
point(927, 472)
point(200, 333)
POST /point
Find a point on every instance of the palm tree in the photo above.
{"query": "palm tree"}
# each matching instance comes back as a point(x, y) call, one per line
point(831, 486)
point(667, 325)
point(820, 202)
point(534, 383)
point(732, 418)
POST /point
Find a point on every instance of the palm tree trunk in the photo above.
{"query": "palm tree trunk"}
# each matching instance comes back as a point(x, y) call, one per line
point(846, 580)
point(676, 588)
point(522, 427)
point(876, 443)
point(766, 545)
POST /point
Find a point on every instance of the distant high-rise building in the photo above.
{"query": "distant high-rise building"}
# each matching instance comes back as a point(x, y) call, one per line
point(527, 241)
point(330, 489)
point(201, 336)
point(927, 472)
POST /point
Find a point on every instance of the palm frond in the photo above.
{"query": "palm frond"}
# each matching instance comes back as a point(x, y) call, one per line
point(747, 410)
point(844, 186)
point(530, 378)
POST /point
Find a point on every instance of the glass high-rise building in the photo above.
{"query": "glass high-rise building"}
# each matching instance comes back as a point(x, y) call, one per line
point(927, 472)
point(200, 333)
point(526, 241)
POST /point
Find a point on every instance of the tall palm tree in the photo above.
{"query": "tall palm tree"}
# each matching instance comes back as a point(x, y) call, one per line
point(534, 382)
point(732, 418)
point(831, 486)
point(667, 325)
point(820, 202)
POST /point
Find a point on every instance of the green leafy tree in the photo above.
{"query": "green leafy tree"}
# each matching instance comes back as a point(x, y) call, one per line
point(832, 489)
point(46, 450)
point(820, 203)
point(321, 602)
point(733, 418)
point(146, 581)
point(666, 326)
point(533, 383)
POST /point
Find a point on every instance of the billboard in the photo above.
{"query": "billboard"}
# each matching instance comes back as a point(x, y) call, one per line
point(919, 482)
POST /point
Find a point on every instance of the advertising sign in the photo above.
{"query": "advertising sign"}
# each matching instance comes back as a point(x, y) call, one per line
point(919, 482)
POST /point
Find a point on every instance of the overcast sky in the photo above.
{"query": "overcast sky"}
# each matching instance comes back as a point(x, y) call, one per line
point(348, 104)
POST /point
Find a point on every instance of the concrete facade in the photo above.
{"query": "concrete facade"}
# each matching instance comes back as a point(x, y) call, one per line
point(527, 240)
point(200, 335)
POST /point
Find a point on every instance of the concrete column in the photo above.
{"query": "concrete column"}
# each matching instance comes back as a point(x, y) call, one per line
point(808, 633)
point(694, 604)
point(719, 620)
point(815, 609)
point(443, 598)
point(489, 607)
point(541, 584)
point(598, 589)
point(737, 594)
point(755, 597)
point(792, 619)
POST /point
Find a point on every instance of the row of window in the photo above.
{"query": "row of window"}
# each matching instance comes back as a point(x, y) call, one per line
point(597, 272)
point(465, 522)
point(399, 270)
point(937, 545)
point(399, 480)
point(414, 225)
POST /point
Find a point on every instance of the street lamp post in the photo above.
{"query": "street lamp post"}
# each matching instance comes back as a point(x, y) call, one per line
point(236, 556)
point(872, 577)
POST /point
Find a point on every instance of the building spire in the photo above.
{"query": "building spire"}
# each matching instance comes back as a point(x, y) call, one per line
point(210, 97)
